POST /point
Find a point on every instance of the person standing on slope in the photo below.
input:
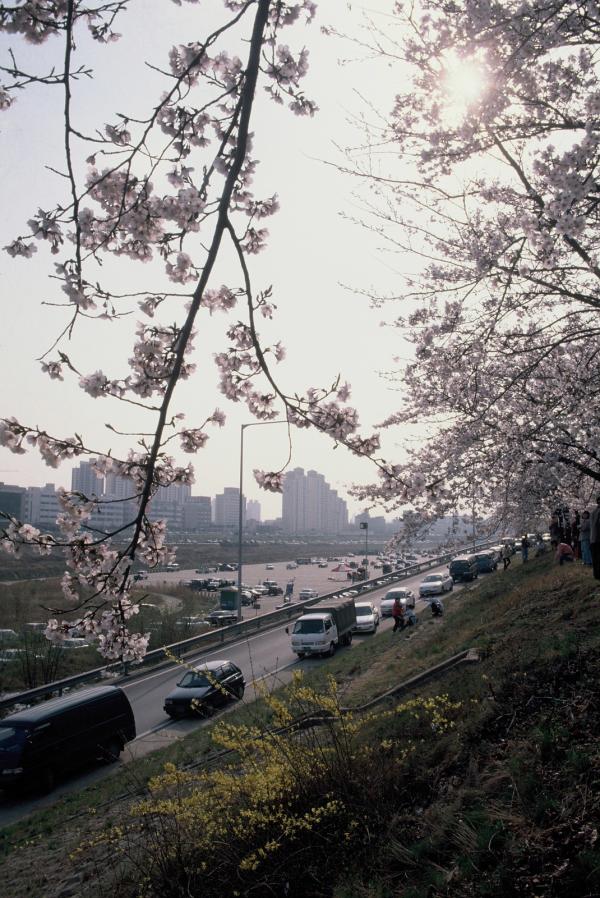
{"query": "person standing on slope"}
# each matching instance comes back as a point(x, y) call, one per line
point(398, 612)
point(595, 539)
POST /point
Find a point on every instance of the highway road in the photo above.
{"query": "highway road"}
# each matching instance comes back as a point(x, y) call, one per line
point(264, 657)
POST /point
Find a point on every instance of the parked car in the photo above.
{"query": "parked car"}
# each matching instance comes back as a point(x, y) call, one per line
point(435, 585)
point(400, 592)
point(367, 618)
point(191, 621)
point(221, 618)
point(307, 593)
point(209, 685)
point(291, 566)
point(8, 655)
point(463, 568)
point(260, 590)
point(486, 561)
point(274, 590)
point(269, 567)
point(54, 737)
point(323, 564)
point(140, 575)
point(74, 642)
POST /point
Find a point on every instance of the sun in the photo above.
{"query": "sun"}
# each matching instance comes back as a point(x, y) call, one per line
point(463, 82)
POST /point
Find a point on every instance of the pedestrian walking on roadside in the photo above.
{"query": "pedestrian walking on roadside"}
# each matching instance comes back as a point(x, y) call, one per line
point(584, 539)
point(398, 612)
point(525, 544)
point(595, 539)
point(506, 556)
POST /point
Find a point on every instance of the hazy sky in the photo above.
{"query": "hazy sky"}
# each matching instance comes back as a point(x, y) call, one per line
point(311, 252)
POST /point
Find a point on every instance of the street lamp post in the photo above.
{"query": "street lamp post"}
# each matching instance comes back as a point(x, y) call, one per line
point(241, 506)
point(364, 526)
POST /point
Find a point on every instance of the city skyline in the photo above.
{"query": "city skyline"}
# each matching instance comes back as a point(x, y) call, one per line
point(307, 503)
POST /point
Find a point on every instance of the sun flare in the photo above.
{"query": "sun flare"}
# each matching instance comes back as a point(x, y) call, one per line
point(464, 82)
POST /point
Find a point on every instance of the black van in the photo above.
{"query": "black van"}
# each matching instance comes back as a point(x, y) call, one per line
point(464, 568)
point(56, 736)
point(486, 562)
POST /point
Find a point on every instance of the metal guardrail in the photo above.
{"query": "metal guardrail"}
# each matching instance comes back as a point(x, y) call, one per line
point(226, 634)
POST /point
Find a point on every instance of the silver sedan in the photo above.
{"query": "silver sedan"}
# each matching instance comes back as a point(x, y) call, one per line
point(435, 585)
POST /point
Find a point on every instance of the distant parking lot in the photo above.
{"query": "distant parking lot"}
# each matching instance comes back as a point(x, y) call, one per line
point(324, 580)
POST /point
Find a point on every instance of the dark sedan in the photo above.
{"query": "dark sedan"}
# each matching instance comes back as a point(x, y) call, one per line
point(208, 686)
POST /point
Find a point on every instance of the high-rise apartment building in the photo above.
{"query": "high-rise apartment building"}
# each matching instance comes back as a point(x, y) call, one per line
point(252, 510)
point(197, 513)
point(293, 503)
point(84, 479)
point(309, 504)
point(227, 507)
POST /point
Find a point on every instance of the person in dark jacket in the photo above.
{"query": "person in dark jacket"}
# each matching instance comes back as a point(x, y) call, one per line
point(525, 544)
point(595, 539)
point(437, 607)
point(584, 539)
point(555, 531)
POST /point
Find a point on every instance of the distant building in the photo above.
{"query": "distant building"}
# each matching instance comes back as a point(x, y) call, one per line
point(309, 504)
point(227, 507)
point(252, 510)
point(42, 506)
point(377, 526)
point(106, 517)
point(121, 492)
point(177, 492)
point(197, 513)
point(13, 501)
point(84, 479)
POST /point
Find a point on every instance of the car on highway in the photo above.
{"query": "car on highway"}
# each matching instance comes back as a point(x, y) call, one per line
point(486, 561)
point(367, 618)
point(291, 566)
point(207, 686)
point(464, 567)
point(399, 592)
point(54, 737)
point(323, 564)
point(307, 593)
point(140, 575)
point(435, 585)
